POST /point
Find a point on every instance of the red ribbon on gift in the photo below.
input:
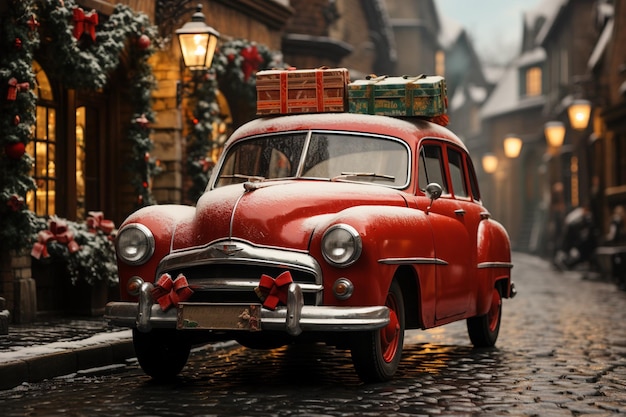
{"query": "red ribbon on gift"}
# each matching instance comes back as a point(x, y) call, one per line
point(85, 23)
point(168, 293)
point(15, 87)
point(96, 221)
point(57, 230)
point(272, 291)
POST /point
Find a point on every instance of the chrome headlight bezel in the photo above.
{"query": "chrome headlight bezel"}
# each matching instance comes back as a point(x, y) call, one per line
point(144, 244)
point(341, 245)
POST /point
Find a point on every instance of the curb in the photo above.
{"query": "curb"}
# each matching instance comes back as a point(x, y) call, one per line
point(38, 367)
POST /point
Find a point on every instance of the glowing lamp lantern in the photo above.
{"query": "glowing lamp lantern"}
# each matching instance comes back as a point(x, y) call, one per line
point(490, 163)
point(555, 134)
point(512, 146)
point(197, 41)
point(579, 112)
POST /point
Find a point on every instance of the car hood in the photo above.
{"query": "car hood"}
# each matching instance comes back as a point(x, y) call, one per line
point(277, 213)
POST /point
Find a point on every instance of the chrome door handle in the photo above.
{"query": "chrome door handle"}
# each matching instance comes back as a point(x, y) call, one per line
point(459, 212)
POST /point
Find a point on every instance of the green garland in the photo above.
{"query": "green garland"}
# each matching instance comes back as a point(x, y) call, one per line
point(79, 63)
point(235, 65)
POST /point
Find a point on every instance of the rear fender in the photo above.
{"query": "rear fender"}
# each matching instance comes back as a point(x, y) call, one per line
point(493, 263)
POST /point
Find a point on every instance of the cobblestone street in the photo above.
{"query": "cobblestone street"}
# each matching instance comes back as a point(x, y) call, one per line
point(561, 352)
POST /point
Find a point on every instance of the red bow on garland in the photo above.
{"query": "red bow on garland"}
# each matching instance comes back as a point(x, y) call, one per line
point(96, 221)
point(57, 230)
point(85, 23)
point(169, 293)
point(272, 291)
point(251, 61)
point(15, 87)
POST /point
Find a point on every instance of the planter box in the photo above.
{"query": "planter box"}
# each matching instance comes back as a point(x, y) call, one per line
point(56, 294)
point(399, 96)
point(301, 91)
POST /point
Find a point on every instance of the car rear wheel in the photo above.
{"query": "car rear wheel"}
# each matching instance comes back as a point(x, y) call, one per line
point(376, 354)
point(161, 353)
point(483, 330)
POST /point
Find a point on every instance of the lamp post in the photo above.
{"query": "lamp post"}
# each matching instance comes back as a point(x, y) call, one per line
point(579, 112)
point(197, 41)
point(490, 163)
point(512, 146)
point(555, 134)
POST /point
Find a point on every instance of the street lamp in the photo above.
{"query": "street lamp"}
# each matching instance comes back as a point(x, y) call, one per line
point(579, 112)
point(555, 133)
point(490, 163)
point(512, 146)
point(197, 41)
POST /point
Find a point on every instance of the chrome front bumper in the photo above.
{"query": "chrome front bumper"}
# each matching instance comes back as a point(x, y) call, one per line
point(293, 318)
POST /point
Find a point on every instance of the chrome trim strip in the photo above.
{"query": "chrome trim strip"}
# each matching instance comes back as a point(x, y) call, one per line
point(240, 285)
point(483, 265)
point(412, 261)
point(232, 216)
point(305, 151)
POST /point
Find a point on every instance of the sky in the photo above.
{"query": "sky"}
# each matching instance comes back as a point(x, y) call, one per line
point(495, 26)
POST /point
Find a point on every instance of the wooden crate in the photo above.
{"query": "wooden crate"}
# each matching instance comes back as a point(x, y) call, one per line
point(301, 91)
point(399, 96)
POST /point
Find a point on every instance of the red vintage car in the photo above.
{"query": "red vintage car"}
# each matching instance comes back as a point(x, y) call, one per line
point(342, 228)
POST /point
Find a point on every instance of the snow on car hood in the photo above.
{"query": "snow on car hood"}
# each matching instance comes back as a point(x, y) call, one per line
point(277, 213)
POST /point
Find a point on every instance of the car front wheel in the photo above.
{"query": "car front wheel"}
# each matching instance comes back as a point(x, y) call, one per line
point(376, 354)
point(161, 353)
point(483, 330)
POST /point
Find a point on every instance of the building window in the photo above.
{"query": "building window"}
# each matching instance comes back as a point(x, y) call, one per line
point(80, 163)
point(43, 149)
point(533, 82)
point(440, 63)
point(620, 160)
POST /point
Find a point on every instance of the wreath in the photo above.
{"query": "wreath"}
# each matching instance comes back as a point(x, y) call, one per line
point(235, 65)
point(83, 53)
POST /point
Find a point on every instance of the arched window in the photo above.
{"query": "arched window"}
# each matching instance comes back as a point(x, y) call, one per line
point(43, 148)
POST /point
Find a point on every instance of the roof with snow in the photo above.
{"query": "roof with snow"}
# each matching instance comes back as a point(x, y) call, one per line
point(505, 97)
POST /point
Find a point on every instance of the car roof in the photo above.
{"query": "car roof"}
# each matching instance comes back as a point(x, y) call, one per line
point(410, 129)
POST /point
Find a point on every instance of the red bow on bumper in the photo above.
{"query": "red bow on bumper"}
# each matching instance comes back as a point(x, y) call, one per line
point(272, 291)
point(169, 293)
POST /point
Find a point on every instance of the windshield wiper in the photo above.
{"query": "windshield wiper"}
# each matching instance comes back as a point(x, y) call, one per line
point(245, 177)
point(364, 174)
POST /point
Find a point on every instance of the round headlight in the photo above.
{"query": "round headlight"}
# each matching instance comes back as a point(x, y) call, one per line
point(341, 245)
point(135, 244)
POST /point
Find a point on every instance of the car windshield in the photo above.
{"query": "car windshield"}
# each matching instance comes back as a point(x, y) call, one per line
point(317, 155)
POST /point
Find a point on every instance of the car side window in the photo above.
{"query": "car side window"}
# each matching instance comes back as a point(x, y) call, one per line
point(472, 179)
point(457, 174)
point(431, 168)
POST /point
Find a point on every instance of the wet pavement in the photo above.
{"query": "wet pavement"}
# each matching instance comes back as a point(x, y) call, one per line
point(561, 352)
point(52, 329)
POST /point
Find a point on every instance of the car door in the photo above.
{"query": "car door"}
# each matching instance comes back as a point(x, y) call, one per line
point(454, 221)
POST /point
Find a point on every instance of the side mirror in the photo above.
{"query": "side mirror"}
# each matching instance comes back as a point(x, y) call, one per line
point(433, 191)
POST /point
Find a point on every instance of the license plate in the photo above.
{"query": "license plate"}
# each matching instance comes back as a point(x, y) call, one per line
point(219, 316)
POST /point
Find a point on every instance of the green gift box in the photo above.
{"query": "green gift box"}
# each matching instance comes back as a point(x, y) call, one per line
point(399, 96)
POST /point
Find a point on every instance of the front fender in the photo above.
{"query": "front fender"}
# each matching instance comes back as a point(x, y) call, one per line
point(391, 236)
point(162, 221)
